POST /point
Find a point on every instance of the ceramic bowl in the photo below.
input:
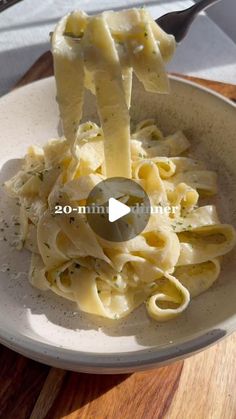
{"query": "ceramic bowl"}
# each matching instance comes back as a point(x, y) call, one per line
point(47, 328)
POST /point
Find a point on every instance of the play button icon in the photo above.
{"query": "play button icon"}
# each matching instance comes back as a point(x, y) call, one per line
point(118, 209)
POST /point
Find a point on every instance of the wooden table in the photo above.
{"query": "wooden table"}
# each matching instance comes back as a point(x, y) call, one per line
point(201, 387)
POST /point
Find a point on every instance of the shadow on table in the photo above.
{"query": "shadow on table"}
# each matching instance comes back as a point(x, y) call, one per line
point(43, 392)
point(15, 62)
point(54, 20)
point(208, 56)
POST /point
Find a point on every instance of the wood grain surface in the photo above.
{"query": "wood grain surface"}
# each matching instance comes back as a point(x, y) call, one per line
point(201, 387)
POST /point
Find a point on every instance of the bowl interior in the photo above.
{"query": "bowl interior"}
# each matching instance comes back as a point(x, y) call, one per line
point(29, 115)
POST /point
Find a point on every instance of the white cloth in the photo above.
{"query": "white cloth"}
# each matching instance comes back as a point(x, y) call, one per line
point(24, 36)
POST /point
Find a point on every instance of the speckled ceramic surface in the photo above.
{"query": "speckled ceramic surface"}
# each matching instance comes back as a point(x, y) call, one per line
point(47, 328)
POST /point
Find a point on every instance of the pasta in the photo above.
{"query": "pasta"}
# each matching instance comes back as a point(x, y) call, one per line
point(177, 256)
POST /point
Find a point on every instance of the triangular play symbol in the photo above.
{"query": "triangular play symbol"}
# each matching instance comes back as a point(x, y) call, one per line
point(117, 210)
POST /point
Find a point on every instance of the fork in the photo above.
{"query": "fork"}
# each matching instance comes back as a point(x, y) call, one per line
point(178, 23)
point(175, 23)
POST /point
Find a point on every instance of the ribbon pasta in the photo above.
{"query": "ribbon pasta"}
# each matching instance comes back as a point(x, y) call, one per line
point(177, 256)
point(173, 260)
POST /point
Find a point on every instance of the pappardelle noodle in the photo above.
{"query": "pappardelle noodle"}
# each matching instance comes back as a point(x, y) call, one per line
point(177, 256)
